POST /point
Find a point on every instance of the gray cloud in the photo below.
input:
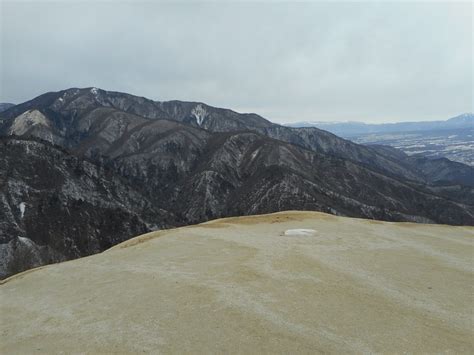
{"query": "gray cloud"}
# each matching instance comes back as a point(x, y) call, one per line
point(368, 61)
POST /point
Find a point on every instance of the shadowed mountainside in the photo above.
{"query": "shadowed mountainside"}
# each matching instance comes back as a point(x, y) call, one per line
point(55, 206)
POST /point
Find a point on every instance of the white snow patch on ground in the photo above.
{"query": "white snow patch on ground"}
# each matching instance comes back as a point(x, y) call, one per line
point(199, 113)
point(300, 232)
point(94, 91)
point(22, 208)
point(254, 154)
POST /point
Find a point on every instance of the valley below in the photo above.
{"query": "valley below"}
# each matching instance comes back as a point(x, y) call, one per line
point(456, 145)
point(451, 139)
point(304, 282)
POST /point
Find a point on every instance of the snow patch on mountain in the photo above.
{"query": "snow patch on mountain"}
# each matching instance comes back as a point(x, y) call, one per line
point(22, 208)
point(254, 154)
point(200, 113)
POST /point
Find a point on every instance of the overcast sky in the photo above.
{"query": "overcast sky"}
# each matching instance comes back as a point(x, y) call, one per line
point(365, 61)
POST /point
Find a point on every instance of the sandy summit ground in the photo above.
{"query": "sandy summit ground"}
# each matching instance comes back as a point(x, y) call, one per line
point(247, 285)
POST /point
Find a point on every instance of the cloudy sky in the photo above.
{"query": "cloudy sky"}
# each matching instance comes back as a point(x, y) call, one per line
point(366, 61)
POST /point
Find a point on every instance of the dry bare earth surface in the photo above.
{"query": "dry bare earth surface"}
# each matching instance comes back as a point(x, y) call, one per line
point(254, 285)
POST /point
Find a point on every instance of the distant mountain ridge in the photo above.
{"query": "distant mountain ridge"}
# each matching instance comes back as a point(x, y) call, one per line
point(347, 129)
point(5, 105)
point(189, 162)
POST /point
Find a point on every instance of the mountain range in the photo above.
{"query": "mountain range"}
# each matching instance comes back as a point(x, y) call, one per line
point(348, 129)
point(84, 169)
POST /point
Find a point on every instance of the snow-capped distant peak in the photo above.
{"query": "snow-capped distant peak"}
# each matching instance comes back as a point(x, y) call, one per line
point(466, 117)
point(200, 113)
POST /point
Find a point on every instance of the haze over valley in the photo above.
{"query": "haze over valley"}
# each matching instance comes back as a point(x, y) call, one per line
point(452, 139)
